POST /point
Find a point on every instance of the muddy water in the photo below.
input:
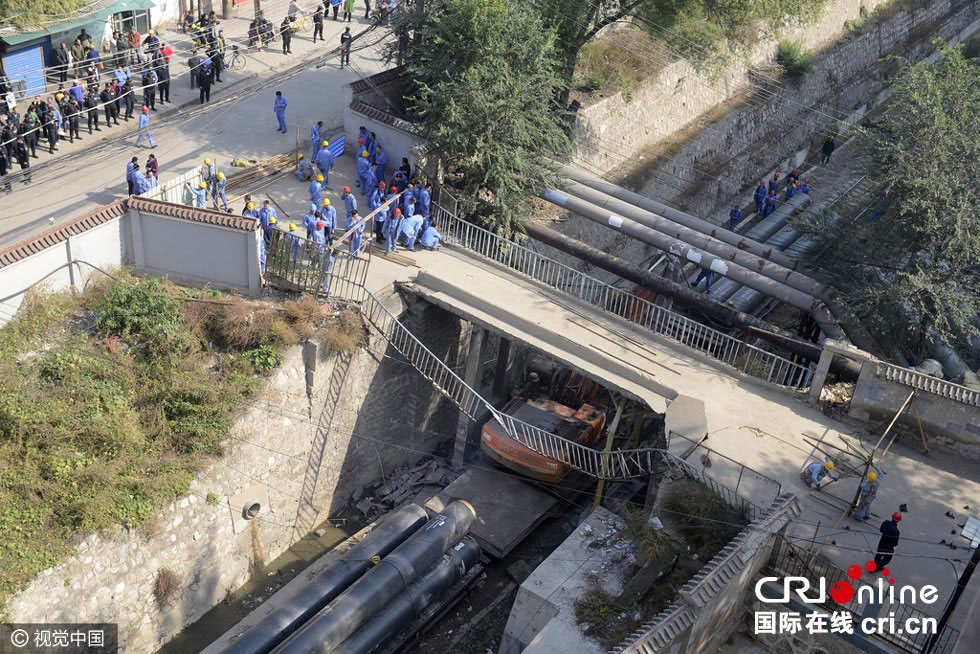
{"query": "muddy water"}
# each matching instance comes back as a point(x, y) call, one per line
point(263, 584)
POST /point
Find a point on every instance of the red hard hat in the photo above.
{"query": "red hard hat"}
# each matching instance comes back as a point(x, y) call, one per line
point(360, 140)
point(394, 189)
point(398, 211)
point(897, 516)
point(319, 224)
point(346, 189)
point(381, 184)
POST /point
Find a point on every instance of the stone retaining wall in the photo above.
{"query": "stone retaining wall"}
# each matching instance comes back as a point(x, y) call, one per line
point(387, 415)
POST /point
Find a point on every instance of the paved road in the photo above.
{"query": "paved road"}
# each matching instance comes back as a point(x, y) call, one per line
point(238, 122)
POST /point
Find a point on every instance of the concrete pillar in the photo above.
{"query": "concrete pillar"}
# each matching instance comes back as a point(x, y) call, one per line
point(501, 376)
point(820, 375)
point(474, 367)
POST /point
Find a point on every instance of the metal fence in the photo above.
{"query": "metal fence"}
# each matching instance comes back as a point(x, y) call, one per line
point(789, 560)
point(745, 481)
point(727, 349)
point(940, 387)
point(298, 264)
point(175, 190)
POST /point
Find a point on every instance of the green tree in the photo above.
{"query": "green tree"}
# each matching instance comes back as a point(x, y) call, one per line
point(39, 13)
point(912, 273)
point(485, 77)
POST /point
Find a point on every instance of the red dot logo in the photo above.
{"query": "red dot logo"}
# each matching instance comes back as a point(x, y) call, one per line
point(854, 572)
point(842, 592)
point(870, 566)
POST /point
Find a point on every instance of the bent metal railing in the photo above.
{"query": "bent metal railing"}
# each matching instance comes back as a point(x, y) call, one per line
point(737, 353)
point(616, 464)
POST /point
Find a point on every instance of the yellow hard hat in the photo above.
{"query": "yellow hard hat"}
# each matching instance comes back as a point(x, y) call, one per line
point(59, 96)
point(829, 465)
point(150, 33)
point(202, 185)
point(325, 143)
point(292, 227)
point(326, 202)
point(272, 220)
point(207, 162)
point(299, 156)
point(250, 205)
point(221, 176)
point(872, 476)
point(319, 178)
point(364, 153)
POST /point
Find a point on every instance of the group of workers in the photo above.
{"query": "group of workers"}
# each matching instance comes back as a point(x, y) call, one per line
point(399, 208)
point(213, 183)
point(814, 473)
point(766, 195)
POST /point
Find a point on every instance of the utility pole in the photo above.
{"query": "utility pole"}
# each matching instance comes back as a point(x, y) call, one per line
point(953, 600)
point(258, 7)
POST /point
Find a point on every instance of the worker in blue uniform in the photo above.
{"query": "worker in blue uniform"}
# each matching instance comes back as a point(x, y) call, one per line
point(734, 216)
point(316, 190)
point(200, 194)
point(760, 195)
point(279, 107)
point(219, 191)
point(431, 238)
point(310, 220)
point(329, 216)
point(324, 161)
point(350, 202)
point(392, 225)
point(706, 274)
point(363, 165)
point(354, 222)
point(315, 139)
point(381, 159)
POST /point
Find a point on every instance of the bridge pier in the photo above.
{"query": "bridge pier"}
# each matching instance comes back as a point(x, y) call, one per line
point(472, 376)
point(501, 374)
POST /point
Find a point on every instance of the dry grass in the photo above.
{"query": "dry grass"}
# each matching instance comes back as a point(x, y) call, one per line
point(345, 333)
point(166, 588)
point(242, 325)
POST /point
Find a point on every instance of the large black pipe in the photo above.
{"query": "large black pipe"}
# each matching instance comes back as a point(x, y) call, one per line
point(686, 296)
point(264, 635)
point(365, 598)
point(422, 592)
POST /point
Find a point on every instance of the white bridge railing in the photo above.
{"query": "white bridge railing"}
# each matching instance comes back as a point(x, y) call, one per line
point(737, 353)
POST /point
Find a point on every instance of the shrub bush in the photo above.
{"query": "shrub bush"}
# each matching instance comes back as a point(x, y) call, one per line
point(795, 60)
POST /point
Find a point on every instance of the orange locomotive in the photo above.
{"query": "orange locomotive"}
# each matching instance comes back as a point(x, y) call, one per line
point(583, 426)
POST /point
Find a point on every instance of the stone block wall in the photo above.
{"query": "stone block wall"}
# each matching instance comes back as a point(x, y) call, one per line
point(714, 160)
point(387, 415)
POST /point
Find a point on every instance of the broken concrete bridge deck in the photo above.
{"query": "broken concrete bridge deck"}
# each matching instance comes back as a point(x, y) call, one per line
point(754, 423)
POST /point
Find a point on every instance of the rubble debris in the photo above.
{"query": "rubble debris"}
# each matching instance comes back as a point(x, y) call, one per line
point(403, 484)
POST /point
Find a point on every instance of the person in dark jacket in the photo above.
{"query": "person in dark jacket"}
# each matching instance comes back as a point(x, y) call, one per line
point(20, 154)
point(163, 78)
point(128, 97)
point(107, 99)
point(318, 24)
point(60, 59)
point(193, 62)
point(204, 83)
point(92, 109)
point(286, 32)
point(827, 149)
point(74, 119)
point(888, 541)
